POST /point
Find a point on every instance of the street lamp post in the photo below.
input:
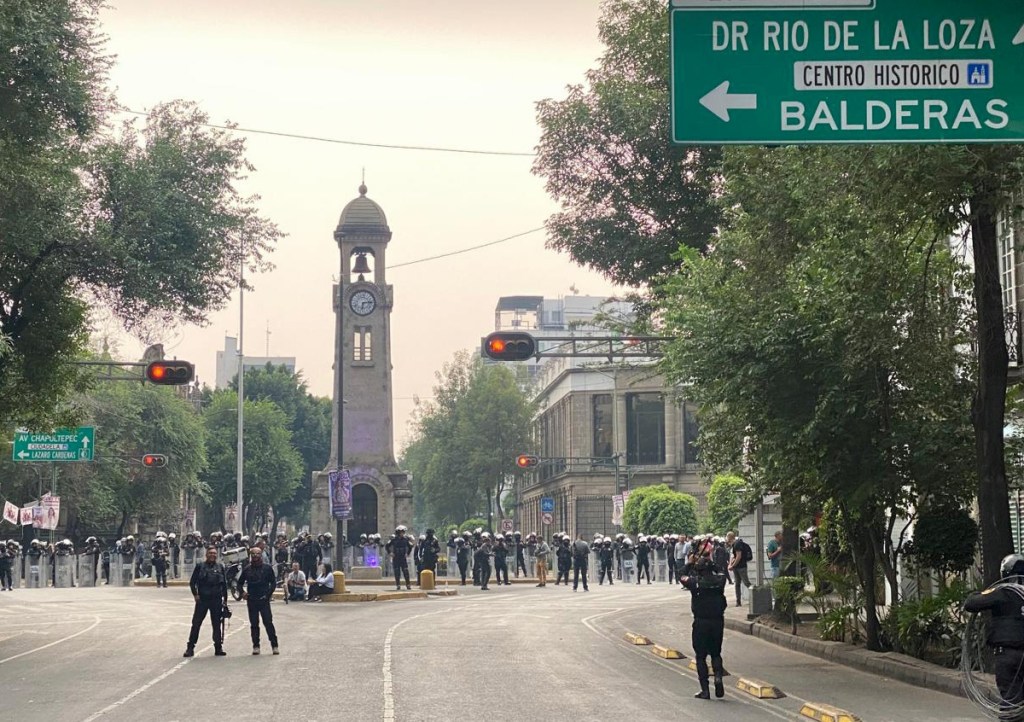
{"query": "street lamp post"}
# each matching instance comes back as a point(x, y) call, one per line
point(240, 509)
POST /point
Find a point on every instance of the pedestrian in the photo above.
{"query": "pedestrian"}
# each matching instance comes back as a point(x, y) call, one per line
point(541, 552)
point(257, 583)
point(580, 561)
point(741, 555)
point(6, 562)
point(720, 556)
point(295, 584)
point(501, 561)
point(482, 560)
point(774, 551)
point(606, 556)
point(680, 552)
point(1005, 632)
point(324, 584)
point(643, 560)
point(564, 556)
point(462, 552)
point(707, 603)
point(210, 591)
point(398, 550)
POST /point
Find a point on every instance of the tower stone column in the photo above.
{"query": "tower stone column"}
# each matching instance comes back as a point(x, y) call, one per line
point(362, 373)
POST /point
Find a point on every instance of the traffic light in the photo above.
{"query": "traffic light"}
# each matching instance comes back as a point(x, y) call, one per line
point(525, 461)
point(509, 346)
point(170, 373)
point(154, 461)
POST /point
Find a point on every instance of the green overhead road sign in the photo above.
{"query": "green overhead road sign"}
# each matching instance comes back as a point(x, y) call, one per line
point(847, 71)
point(61, 445)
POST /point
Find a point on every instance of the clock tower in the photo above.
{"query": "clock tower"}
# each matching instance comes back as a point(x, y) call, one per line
point(381, 494)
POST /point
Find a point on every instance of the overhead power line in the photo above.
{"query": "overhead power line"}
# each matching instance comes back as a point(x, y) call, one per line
point(365, 144)
point(466, 250)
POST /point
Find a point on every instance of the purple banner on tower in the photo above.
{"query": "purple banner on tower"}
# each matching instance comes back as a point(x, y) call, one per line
point(339, 487)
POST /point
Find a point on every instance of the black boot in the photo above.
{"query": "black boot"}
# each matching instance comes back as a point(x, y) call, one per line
point(190, 651)
point(719, 687)
point(704, 693)
point(218, 651)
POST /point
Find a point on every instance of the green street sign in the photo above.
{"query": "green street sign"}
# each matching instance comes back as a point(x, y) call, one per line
point(61, 445)
point(847, 71)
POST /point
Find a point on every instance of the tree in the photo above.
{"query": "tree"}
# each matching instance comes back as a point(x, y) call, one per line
point(725, 503)
point(629, 197)
point(465, 441)
point(309, 420)
point(827, 333)
point(660, 510)
point(272, 466)
point(146, 221)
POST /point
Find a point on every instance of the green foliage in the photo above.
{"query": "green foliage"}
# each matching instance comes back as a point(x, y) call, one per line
point(309, 420)
point(629, 196)
point(465, 441)
point(146, 221)
point(272, 466)
point(931, 628)
point(839, 623)
point(660, 510)
point(789, 592)
point(725, 503)
point(472, 523)
point(945, 538)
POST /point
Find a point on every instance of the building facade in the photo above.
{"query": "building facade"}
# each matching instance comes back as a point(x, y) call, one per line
point(227, 362)
point(600, 431)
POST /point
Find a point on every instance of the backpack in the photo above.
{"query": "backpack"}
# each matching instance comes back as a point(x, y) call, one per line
point(746, 551)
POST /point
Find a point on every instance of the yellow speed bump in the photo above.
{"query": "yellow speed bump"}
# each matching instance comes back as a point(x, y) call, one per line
point(825, 713)
point(667, 652)
point(692, 666)
point(637, 639)
point(759, 689)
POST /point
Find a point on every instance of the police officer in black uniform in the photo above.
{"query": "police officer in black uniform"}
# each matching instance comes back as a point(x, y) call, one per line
point(462, 552)
point(707, 590)
point(643, 560)
point(210, 590)
point(431, 550)
point(501, 551)
point(1005, 629)
point(399, 549)
point(606, 557)
point(482, 561)
point(257, 582)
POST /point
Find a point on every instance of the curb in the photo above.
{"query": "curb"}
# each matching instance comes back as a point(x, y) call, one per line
point(886, 664)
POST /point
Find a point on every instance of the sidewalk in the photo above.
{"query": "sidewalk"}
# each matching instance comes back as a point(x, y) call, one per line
point(887, 664)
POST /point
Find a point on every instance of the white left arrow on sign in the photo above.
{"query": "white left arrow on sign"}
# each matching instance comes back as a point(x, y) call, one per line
point(720, 101)
point(1019, 37)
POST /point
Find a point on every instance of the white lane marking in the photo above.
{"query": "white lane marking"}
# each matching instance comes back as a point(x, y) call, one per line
point(682, 671)
point(388, 714)
point(51, 644)
point(132, 695)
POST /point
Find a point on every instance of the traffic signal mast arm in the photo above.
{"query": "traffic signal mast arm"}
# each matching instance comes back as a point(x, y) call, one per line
point(165, 372)
point(610, 347)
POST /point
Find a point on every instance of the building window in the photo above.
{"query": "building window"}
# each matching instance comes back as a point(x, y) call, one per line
point(362, 344)
point(645, 429)
point(602, 407)
point(1007, 259)
point(691, 430)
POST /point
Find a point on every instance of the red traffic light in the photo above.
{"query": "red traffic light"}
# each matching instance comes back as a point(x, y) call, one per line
point(525, 461)
point(154, 460)
point(170, 373)
point(509, 346)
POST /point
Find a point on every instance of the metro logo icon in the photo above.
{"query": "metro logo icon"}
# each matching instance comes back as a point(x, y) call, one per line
point(790, 71)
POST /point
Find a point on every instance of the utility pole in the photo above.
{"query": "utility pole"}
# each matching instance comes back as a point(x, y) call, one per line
point(240, 509)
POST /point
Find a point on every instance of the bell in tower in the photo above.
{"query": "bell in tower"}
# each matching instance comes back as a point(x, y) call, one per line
point(362, 435)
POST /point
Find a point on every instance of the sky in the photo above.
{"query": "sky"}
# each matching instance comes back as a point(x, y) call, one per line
point(447, 73)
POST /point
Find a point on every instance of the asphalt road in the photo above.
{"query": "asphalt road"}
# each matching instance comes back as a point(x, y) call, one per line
point(516, 652)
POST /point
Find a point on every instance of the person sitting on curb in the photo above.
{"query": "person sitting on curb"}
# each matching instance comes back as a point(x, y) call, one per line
point(295, 584)
point(324, 584)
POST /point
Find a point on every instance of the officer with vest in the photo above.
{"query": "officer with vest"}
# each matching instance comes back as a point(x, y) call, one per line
point(707, 602)
point(462, 554)
point(482, 560)
point(520, 553)
point(606, 557)
point(501, 551)
point(257, 583)
point(643, 560)
point(210, 590)
point(1005, 629)
point(399, 548)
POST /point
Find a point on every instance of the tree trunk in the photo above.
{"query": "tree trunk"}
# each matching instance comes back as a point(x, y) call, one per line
point(988, 408)
point(120, 528)
point(864, 558)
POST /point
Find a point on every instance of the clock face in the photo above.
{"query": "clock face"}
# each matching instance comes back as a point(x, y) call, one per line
point(362, 303)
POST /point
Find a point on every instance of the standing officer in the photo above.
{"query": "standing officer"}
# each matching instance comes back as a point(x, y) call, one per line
point(500, 560)
point(606, 556)
point(462, 552)
point(643, 560)
point(210, 590)
point(564, 556)
point(482, 560)
point(399, 549)
point(707, 602)
point(257, 583)
point(520, 556)
point(1005, 629)
point(431, 551)
point(580, 560)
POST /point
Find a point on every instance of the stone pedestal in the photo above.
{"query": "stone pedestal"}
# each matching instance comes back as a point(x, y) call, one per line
point(365, 574)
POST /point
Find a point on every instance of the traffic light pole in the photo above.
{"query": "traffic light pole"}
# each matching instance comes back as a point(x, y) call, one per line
point(240, 509)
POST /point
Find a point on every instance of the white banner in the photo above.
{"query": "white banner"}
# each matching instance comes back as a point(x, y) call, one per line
point(50, 512)
point(231, 517)
point(617, 507)
point(26, 515)
point(11, 513)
